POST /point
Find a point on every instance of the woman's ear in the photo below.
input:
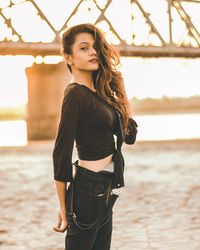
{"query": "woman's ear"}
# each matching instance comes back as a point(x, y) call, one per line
point(68, 59)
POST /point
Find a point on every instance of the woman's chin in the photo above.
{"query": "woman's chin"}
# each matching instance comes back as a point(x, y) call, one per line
point(94, 68)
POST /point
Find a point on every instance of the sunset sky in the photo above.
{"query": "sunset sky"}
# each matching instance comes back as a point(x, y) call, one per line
point(143, 77)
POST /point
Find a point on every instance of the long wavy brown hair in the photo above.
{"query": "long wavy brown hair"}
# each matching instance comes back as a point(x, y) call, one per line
point(107, 79)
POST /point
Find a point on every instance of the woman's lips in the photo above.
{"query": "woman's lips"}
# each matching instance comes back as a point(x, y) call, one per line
point(94, 61)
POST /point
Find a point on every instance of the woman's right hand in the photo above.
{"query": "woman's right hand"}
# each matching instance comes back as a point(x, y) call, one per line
point(62, 222)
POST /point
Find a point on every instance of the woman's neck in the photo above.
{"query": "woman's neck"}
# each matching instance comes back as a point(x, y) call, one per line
point(83, 78)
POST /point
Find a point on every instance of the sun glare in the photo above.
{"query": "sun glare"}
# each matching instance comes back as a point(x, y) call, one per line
point(143, 77)
point(13, 82)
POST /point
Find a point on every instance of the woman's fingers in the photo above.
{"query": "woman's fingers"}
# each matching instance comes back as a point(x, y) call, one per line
point(61, 223)
point(58, 222)
point(61, 228)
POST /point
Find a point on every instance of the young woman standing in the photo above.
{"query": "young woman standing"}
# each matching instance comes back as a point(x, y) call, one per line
point(89, 117)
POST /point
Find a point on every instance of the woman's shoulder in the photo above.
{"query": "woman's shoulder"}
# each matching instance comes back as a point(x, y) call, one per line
point(72, 90)
point(79, 90)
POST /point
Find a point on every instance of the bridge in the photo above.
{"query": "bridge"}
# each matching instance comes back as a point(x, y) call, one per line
point(144, 36)
point(161, 28)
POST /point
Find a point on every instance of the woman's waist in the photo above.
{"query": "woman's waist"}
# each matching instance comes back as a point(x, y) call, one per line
point(96, 165)
point(86, 175)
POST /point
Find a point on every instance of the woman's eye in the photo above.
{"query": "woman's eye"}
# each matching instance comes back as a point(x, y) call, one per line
point(84, 48)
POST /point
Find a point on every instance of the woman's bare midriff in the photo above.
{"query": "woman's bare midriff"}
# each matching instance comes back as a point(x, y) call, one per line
point(96, 165)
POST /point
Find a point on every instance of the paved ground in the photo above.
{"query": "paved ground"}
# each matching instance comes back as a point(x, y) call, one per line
point(159, 209)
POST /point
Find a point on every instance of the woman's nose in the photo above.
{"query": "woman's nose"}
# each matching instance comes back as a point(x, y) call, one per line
point(92, 51)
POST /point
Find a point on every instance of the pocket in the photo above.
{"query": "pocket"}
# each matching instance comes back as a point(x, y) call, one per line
point(82, 186)
point(100, 189)
point(87, 204)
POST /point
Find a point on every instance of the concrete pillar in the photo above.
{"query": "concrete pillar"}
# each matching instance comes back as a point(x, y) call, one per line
point(46, 84)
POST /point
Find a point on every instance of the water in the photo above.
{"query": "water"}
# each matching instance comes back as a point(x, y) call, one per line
point(13, 133)
point(151, 127)
point(168, 126)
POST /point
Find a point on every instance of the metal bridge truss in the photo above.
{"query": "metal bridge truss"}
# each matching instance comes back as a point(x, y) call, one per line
point(27, 28)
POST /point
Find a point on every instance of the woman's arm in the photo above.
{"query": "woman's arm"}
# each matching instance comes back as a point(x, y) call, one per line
point(62, 219)
point(61, 189)
point(63, 149)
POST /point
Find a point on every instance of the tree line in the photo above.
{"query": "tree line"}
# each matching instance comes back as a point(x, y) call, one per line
point(166, 104)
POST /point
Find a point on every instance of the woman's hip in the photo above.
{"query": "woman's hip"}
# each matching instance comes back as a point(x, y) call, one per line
point(88, 195)
point(93, 182)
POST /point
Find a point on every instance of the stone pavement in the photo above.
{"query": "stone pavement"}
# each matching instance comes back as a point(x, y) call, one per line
point(159, 209)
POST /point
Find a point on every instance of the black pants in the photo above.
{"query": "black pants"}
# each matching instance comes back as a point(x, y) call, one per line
point(91, 192)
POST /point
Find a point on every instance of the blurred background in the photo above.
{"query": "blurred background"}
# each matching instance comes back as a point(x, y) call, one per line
point(159, 44)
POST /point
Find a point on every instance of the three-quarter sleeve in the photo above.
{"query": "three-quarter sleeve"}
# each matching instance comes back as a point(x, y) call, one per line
point(64, 143)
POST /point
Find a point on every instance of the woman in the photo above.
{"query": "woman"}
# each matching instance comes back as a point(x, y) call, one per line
point(89, 117)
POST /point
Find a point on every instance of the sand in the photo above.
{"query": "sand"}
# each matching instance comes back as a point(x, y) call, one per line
point(158, 209)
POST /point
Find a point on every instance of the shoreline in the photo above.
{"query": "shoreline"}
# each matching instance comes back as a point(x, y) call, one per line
point(20, 117)
point(48, 144)
point(167, 112)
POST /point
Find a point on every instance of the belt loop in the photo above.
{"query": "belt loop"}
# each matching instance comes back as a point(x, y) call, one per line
point(75, 163)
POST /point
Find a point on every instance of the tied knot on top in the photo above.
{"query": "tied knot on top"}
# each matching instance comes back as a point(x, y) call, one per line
point(118, 159)
point(130, 135)
point(118, 179)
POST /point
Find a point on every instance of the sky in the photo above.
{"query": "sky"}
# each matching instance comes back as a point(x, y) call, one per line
point(25, 19)
point(144, 77)
point(173, 77)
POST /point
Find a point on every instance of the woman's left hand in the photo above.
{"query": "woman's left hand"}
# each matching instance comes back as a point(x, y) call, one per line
point(62, 222)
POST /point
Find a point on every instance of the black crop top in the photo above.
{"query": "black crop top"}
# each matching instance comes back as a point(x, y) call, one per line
point(89, 121)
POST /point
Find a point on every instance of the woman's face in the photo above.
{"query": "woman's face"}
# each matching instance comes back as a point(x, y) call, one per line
point(84, 56)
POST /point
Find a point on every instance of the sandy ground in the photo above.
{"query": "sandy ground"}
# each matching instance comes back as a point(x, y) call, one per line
point(159, 209)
